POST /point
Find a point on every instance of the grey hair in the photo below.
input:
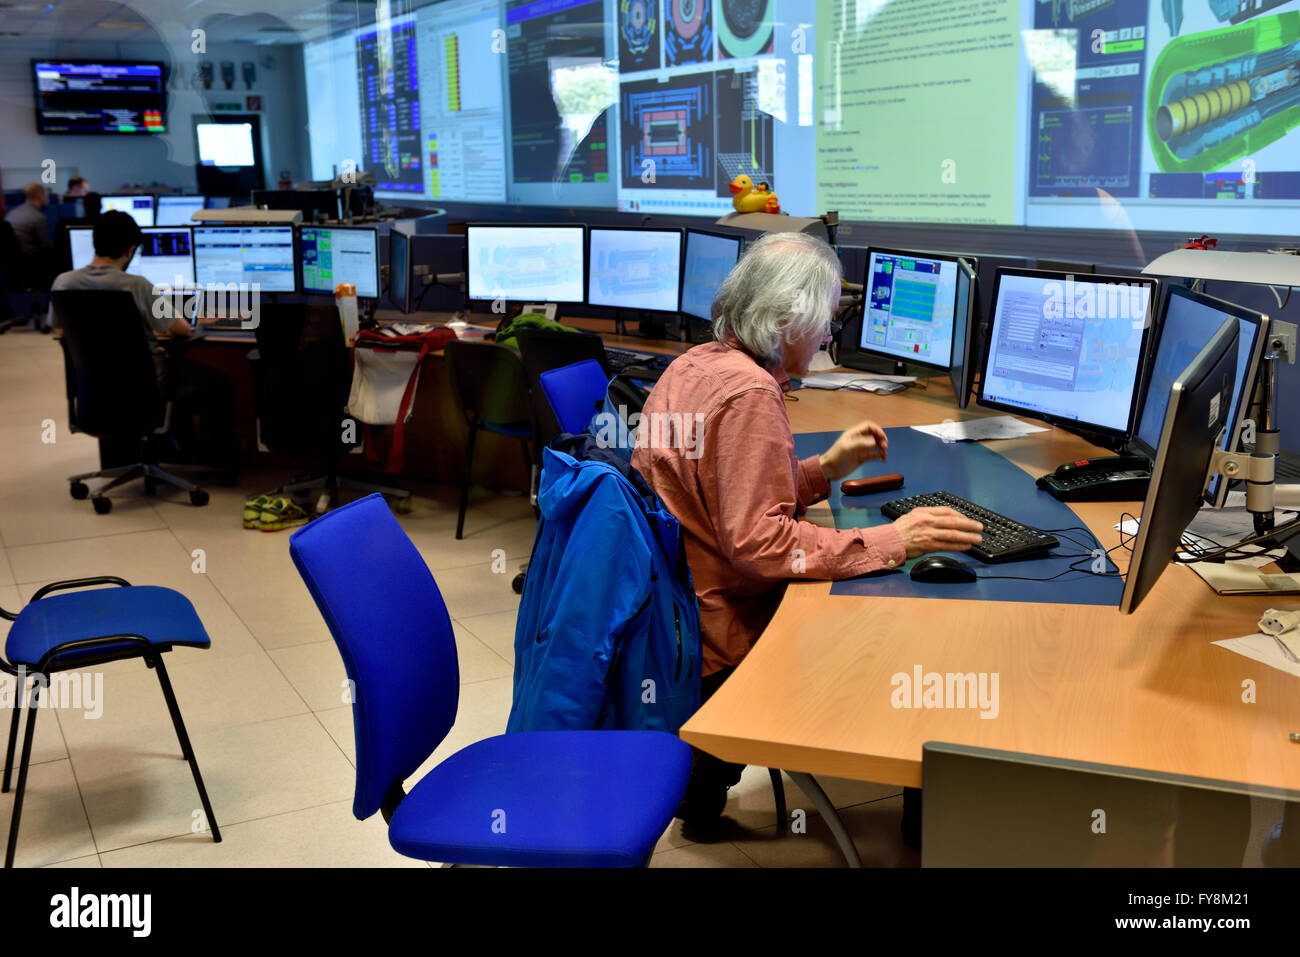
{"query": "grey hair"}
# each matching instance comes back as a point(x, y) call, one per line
point(781, 289)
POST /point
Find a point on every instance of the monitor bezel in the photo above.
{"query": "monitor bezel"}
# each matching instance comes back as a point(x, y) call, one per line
point(299, 277)
point(469, 295)
point(1142, 570)
point(404, 306)
point(1143, 351)
point(740, 251)
point(87, 61)
point(866, 304)
point(1261, 321)
point(963, 383)
point(681, 265)
point(240, 227)
point(91, 230)
point(159, 197)
point(153, 204)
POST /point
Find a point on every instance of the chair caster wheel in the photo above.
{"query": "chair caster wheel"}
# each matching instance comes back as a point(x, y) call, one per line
point(79, 490)
point(102, 505)
point(198, 497)
point(403, 505)
point(518, 584)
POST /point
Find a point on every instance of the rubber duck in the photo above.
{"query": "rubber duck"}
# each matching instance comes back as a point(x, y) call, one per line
point(748, 198)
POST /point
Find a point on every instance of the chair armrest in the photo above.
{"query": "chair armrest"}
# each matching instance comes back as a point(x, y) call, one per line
point(78, 583)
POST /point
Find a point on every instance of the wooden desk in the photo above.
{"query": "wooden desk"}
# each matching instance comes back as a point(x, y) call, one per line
point(1081, 682)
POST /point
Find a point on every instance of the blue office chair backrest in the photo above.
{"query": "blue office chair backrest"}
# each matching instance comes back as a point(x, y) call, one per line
point(390, 624)
point(574, 393)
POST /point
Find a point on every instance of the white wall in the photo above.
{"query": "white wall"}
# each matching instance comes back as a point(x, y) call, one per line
point(112, 162)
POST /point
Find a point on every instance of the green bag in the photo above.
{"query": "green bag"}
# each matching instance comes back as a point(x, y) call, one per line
point(527, 320)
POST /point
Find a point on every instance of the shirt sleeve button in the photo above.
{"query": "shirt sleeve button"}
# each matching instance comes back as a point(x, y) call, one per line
point(892, 563)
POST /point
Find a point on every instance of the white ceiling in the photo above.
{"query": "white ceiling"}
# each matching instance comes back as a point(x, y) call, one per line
point(226, 21)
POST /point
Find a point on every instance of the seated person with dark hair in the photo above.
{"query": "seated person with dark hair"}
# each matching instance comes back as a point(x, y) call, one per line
point(204, 404)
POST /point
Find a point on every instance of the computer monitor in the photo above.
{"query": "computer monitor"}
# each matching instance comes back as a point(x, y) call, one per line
point(709, 257)
point(635, 268)
point(1185, 322)
point(225, 144)
point(329, 255)
point(165, 255)
point(139, 208)
point(246, 254)
point(525, 263)
point(1067, 349)
point(961, 368)
point(177, 210)
point(909, 307)
point(400, 280)
point(1196, 414)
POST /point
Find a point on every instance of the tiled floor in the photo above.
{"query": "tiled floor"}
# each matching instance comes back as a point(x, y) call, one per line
point(265, 705)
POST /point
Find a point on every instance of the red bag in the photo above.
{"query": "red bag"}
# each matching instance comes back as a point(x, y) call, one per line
point(422, 345)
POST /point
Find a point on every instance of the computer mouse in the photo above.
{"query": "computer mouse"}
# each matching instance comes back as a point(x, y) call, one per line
point(941, 568)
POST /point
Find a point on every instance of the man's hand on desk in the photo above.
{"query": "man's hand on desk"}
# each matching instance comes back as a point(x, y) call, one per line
point(863, 442)
point(929, 529)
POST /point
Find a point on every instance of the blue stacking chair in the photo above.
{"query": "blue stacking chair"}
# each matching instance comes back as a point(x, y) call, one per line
point(87, 627)
point(540, 799)
point(574, 393)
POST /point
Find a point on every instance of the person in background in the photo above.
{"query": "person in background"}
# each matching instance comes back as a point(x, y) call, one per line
point(77, 186)
point(29, 222)
point(91, 204)
point(204, 408)
point(737, 488)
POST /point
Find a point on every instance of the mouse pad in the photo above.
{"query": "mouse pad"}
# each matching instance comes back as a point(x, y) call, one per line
point(980, 475)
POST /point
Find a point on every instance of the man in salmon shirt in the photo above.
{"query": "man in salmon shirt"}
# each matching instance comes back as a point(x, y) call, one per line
point(735, 484)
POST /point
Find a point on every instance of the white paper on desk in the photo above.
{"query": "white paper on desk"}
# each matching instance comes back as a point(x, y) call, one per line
point(1214, 528)
point(857, 382)
point(1261, 648)
point(977, 430)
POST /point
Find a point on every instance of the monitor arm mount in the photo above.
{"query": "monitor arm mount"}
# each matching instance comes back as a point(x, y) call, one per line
point(1257, 467)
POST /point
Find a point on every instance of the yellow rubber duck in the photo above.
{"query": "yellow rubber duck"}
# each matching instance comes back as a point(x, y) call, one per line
point(748, 198)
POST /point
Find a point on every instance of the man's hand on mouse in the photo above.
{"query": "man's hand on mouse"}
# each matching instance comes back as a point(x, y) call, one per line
point(863, 442)
point(937, 529)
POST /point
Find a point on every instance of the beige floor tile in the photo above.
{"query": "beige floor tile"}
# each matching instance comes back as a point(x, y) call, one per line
point(39, 510)
point(873, 828)
point(251, 771)
point(496, 630)
point(324, 836)
point(6, 573)
point(474, 590)
point(316, 672)
point(211, 692)
point(79, 862)
point(53, 826)
point(702, 855)
point(476, 660)
point(339, 723)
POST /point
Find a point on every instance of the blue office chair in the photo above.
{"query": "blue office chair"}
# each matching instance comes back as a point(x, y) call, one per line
point(541, 799)
point(575, 392)
point(90, 627)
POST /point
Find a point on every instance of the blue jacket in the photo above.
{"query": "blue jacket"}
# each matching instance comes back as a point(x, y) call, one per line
point(608, 634)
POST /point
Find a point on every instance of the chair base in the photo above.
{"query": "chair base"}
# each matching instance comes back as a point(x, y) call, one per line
point(330, 483)
point(122, 474)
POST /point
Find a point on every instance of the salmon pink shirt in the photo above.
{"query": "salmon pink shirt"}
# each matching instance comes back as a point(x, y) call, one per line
point(736, 487)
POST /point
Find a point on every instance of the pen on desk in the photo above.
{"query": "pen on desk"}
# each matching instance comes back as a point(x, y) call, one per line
point(1286, 651)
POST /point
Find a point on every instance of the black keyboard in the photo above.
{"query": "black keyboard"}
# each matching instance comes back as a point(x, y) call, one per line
point(1005, 539)
point(620, 359)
